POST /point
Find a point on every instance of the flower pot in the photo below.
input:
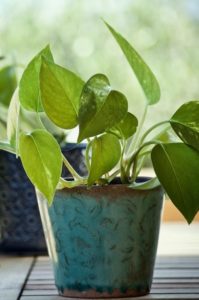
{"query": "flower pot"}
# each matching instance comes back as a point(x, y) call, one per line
point(20, 223)
point(102, 240)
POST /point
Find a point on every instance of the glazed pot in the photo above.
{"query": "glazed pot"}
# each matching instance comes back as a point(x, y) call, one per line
point(20, 223)
point(102, 240)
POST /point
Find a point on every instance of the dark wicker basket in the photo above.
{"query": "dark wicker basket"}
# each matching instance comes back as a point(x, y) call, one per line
point(20, 224)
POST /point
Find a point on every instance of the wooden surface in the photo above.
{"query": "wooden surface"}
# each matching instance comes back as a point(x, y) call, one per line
point(174, 278)
point(13, 273)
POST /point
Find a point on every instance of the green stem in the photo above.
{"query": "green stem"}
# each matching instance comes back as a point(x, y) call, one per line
point(40, 122)
point(134, 142)
point(113, 175)
point(70, 168)
point(133, 158)
point(87, 154)
point(142, 156)
point(150, 129)
point(124, 179)
point(70, 184)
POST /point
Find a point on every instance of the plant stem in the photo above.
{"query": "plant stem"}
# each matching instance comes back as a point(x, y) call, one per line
point(134, 141)
point(142, 156)
point(113, 175)
point(87, 154)
point(124, 179)
point(133, 158)
point(70, 168)
point(70, 184)
point(40, 122)
point(150, 129)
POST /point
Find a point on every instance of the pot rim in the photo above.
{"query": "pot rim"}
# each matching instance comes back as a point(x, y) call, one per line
point(114, 184)
point(117, 181)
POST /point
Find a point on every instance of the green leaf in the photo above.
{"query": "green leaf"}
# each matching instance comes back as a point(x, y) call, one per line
point(60, 93)
point(3, 114)
point(42, 160)
point(185, 122)
point(143, 73)
point(13, 119)
point(126, 128)
point(94, 94)
point(106, 153)
point(8, 83)
point(147, 185)
point(29, 89)
point(2, 129)
point(177, 168)
point(100, 108)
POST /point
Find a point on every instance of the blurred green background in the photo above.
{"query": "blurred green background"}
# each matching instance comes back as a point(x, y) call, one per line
point(166, 34)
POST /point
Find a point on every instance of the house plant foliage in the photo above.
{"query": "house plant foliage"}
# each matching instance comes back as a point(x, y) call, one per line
point(103, 119)
point(116, 146)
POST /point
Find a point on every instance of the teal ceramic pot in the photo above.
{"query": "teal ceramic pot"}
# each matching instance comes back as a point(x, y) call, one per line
point(103, 240)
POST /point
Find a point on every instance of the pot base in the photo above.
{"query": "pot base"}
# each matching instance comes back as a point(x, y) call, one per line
point(92, 294)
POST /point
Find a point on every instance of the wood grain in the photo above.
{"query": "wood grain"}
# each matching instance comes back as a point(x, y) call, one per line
point(175, 278)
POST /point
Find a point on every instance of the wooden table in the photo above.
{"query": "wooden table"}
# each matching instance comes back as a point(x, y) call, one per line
point(31, 278)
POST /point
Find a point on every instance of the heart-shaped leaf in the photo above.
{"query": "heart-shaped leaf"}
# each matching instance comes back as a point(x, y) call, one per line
point(125, 128)
point(100, 108)
point(185, 122)
point(177, 168)
point(29, 89)
point(8, 83)
point(13, 120)
point(103, 160)
point(60, 93)
point(143, 73)
point(42, 160)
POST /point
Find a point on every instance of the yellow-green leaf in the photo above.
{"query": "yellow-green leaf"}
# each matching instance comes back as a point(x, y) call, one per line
point(143, 73)
point(29, 90)
point(8, 83)
point(125, 128)
point(103, 160)
point(100, 108)
point(60, 94)
point(185, 123)
point(42, 160)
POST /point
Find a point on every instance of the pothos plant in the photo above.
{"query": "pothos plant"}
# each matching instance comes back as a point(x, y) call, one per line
point(8, 89)
point(116, 144)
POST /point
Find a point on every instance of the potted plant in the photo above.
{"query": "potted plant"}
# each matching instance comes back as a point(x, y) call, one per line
point(102, 229)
